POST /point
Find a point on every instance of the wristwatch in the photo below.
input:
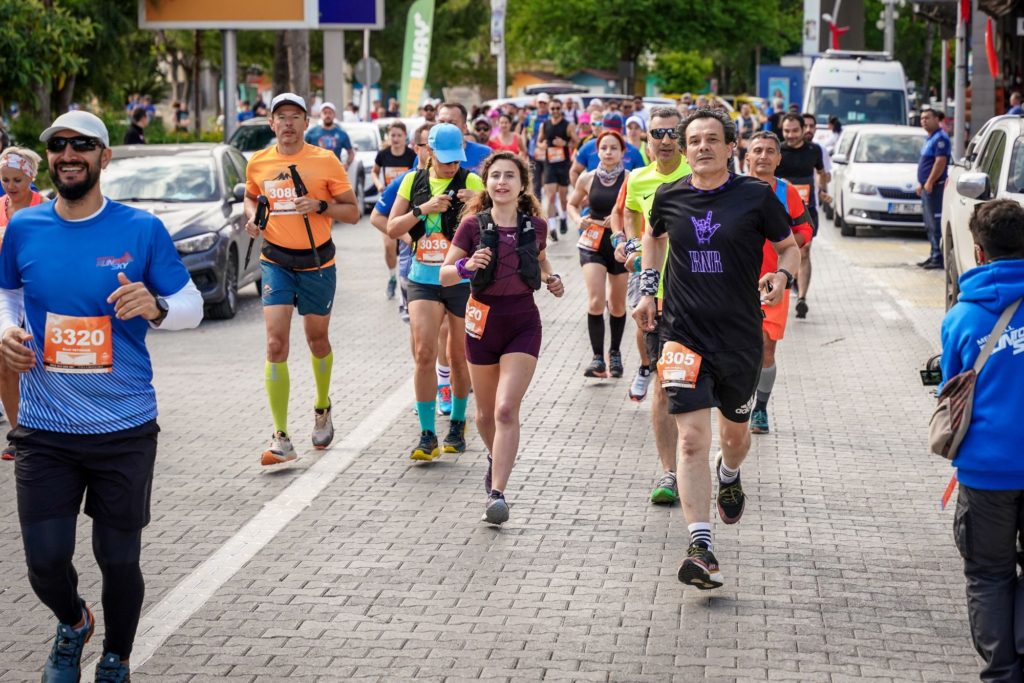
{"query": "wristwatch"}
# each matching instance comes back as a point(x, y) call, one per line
point(789, 277)
point(416, 211)
point(323, 206)
point(161, 304)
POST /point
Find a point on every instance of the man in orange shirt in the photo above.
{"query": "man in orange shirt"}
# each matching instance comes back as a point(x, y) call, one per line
point(764, 152)
point(293, 275)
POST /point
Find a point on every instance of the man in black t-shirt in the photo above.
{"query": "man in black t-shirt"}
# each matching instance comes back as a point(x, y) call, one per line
point(390, 163)
point(715, 224)
point(801, 161)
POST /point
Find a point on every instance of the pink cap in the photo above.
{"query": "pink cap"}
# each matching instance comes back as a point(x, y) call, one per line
point(584, 117)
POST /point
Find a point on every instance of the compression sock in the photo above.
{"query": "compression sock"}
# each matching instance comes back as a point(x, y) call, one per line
point(444, 374)
point(426, 410)
point(764, 387)
point(700, 532)
point(595, 327)
point(459, 408)
point(618, 326)
point(278, 385)
point(726, 475)
point(552, 224)
point(322, 374)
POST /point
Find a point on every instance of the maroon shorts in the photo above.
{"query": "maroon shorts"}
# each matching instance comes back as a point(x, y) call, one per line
point(513, 326)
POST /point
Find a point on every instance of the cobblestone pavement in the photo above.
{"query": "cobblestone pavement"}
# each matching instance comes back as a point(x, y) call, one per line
point(843, 568)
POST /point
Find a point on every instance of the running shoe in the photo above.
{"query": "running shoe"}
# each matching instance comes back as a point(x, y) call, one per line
point(64, 665)
point(427, 449)
point(487, 477)
point(392, 286)
point(666, 490)
point(323, 428)
point(111, 670)
point(801, 308)
point(700, 568)
point(496, 511)
point(759, 422)
point(553, 234)
point(615, 363)
point(455, 442)
point(563, 226)
point(596, 368)
point(444, 399)
point(403, 313)
point(638, 390)
point(731, 500)
point(280, 451)
point(8, 452)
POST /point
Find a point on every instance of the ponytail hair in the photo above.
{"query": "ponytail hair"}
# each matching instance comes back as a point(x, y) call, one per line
point(527, 203)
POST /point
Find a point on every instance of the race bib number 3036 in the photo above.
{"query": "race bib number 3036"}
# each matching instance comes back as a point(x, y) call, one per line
point(431, 249)
point(78, 344)
point(678, 366)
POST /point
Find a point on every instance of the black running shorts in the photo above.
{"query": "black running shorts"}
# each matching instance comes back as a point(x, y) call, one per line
point(113, 472)
point(727, 381)
point(454, 298)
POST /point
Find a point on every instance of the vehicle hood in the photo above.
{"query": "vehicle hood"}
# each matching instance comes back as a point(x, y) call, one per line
point(903, 176)
point(994, 286)
point(185, 219)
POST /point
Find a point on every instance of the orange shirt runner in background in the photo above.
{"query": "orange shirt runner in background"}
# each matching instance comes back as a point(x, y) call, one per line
point(774, 323)
point(267, 174)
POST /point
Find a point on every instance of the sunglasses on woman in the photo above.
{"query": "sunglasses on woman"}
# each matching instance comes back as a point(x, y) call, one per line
point(78, 144)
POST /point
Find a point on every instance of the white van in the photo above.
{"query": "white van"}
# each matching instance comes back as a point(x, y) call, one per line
point(857, 87)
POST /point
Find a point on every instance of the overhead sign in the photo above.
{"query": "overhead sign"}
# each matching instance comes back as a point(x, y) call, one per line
point(228, 14)
point(419, 28)
point(350, 15)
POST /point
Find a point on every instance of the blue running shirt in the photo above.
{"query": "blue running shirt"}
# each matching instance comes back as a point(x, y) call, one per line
point(98, 376)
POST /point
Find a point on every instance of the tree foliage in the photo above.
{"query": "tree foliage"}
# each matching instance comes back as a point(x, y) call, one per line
point(682, 71)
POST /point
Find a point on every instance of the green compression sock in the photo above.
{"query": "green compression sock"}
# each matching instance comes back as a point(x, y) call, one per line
point(278, 385)
point(322, 373)
point(459, 408)
point(427, 411)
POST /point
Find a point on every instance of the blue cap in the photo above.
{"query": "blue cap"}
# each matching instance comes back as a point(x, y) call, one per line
point(446, 142)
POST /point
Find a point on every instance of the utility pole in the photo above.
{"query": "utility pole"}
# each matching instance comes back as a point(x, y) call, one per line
point(889, 21)
point(960, 84)
point(498, 41)
point(230, 62)
point(944, 92)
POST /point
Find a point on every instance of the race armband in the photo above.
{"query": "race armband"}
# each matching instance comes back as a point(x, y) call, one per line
point(649, 280)
point(617, 239)
point(634, 246)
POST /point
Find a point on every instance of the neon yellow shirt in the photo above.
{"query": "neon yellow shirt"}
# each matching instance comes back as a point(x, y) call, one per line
point(643, 183)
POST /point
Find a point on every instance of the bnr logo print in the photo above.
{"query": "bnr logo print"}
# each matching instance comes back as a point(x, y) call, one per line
point(115, 263)
point(705, 229)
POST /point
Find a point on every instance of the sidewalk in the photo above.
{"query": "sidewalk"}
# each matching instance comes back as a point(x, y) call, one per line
point(843, 568)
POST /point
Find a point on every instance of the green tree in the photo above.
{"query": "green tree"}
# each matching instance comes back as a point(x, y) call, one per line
point(682, 71)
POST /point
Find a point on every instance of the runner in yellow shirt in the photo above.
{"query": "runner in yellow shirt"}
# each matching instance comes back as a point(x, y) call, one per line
point(294, 276)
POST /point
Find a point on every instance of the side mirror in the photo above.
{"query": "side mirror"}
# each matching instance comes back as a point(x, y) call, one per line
point(238, 192)
point(974, 186)
point(839, 159)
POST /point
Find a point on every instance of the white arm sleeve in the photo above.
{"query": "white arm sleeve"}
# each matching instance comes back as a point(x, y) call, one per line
point(184, 309)
point(12, 308)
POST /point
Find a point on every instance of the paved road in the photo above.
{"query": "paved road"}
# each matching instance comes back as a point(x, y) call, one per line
point(356, 563)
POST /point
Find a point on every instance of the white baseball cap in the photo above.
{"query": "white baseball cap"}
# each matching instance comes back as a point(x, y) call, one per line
point(328, 105)
point(81, 122)
point(543, 97)
point(287, 98)
point(638, 120)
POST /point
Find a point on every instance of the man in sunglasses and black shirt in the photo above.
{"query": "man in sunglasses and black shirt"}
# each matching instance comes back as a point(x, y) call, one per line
point(714, 225)
point(90, 277)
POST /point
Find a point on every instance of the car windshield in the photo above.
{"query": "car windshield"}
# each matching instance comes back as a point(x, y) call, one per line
point(1015, 180)
point(363, 138)
point(858, 105)
point(889, 149)
point(160, 179)
point(252, 138)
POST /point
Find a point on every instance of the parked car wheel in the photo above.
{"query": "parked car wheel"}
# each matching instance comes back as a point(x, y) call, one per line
point(827, 209)
point(838, 219)
point(228, 306)
point(952, 275)
point(847, 230)
point(361, 194)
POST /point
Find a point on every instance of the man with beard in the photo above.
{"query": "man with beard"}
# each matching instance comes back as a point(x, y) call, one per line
point(331, 136)
point(96, 275)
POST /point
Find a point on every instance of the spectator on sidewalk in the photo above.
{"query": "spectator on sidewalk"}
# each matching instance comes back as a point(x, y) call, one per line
point(990, 506)
point(1015, 106)
point(136, 133)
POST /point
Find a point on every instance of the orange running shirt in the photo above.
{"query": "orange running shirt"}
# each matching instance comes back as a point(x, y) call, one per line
point(324, 176)
point(797, 210)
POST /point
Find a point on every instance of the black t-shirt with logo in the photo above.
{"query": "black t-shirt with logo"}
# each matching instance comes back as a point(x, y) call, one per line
point(716, 241)
point(798, 166)
point(394, 165)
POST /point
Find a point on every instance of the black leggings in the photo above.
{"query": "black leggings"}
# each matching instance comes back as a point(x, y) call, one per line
point(49, 550)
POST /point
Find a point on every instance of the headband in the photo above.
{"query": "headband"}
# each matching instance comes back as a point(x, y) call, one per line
point(19, 163)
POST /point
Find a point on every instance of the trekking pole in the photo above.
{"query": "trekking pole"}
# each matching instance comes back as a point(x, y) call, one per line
point(301, 191)
point(261, 218)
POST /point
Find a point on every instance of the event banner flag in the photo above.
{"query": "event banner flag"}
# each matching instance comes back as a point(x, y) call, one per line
point(416, 58)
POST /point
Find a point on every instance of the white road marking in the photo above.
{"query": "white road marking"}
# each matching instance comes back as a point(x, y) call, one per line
point(886, 311)
point(168, 615)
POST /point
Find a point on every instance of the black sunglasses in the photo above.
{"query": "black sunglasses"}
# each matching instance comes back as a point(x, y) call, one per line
point(659, 133)
point(79, 144)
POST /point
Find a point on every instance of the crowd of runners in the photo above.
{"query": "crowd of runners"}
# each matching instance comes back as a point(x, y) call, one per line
point(702, 257)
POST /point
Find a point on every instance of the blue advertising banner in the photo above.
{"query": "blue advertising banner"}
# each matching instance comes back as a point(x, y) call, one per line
point(351, 14)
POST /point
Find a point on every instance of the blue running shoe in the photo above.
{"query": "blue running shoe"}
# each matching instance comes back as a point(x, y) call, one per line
point(64, 665)
point(111, 670)
point(444, 399)
point(759, 422)
point(392, 286)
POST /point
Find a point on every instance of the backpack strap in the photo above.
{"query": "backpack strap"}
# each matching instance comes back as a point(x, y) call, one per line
point(993, 338)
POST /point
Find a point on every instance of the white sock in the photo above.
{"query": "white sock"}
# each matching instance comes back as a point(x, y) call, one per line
point(393, 272)
point(725, 475)
point(444, 374)
point(553, 223)
point(700, 532)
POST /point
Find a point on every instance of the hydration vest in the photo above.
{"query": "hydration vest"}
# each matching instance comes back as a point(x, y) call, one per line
point(526, 248)
point(421, 194)
point(781, 190)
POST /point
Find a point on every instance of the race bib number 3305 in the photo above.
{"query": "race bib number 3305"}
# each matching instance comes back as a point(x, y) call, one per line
point(678, 366)
point(78, 344)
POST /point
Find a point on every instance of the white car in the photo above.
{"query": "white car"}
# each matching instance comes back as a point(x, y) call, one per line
point(992, 168)
point(874, 177)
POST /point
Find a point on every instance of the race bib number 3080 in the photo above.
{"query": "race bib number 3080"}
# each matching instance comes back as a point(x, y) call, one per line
point(678, 366)
point(281, 195)
point(78, 344)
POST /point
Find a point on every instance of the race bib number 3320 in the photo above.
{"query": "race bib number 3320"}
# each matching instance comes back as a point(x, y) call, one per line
point(78, 344)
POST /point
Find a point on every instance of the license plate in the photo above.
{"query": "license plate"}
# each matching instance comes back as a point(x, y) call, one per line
point(905, 208)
